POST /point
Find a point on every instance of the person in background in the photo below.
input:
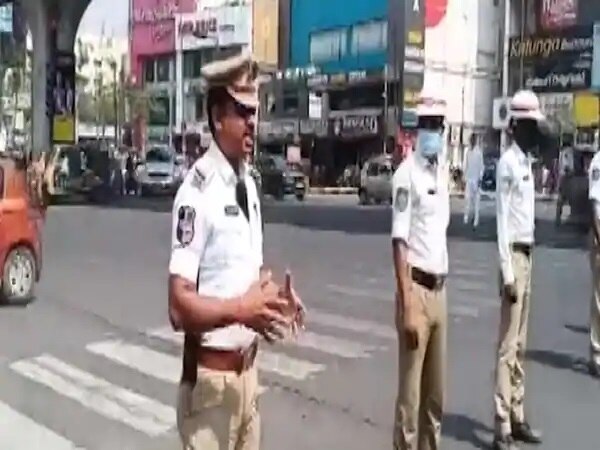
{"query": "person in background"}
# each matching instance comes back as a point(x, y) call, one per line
point(565, 171)
point(473, 174)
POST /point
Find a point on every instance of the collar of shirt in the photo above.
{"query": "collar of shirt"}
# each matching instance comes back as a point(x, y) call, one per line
point(218, 161)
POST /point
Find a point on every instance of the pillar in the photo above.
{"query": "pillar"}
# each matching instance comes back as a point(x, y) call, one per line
point(68, 16)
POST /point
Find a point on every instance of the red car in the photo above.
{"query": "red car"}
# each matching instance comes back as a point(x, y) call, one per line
point(21, 225)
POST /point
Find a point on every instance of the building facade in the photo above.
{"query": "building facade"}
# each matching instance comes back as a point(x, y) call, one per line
point(355, 69)
point(550, 51)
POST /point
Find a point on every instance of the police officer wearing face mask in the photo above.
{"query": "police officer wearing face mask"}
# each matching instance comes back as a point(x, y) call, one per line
point(421, 213)
point(515, 216)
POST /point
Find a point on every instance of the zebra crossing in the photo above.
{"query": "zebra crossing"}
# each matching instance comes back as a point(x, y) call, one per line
point(64, 380)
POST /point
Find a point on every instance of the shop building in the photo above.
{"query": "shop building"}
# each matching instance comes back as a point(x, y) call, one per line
point(170, 42)
point(550, 52)
point(354, 70)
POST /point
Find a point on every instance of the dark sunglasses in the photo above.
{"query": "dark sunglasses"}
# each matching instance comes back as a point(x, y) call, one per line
point(243, 111)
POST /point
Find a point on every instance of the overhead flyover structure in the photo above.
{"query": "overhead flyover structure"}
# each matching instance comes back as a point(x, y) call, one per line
point(53, 25)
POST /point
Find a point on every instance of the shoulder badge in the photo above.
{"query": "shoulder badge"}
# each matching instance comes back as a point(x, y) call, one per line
point(401, 202)
point(186, 216)
point(595, 174)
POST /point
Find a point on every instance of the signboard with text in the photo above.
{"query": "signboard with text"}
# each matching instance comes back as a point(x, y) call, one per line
point(63, 98)
point(222, 26)
point(557, 14)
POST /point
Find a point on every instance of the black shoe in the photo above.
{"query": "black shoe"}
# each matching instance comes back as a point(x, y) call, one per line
point(524, 433)
point(504, 443)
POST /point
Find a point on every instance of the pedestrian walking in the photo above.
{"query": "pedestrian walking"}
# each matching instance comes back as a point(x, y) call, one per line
point(594, 194)
point(421, 213)
point(220, 294)
point(473, 168)
point(515, 216)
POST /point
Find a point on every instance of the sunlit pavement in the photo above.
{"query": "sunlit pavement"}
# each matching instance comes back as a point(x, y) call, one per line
point(94, 363)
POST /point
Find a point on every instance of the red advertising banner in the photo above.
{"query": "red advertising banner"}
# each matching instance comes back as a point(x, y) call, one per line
point(557, 14)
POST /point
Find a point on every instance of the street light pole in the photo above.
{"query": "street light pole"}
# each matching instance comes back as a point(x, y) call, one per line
point(505, 49)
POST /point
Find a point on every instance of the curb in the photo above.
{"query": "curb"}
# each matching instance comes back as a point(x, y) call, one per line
point(333, 190)
point(492, 195)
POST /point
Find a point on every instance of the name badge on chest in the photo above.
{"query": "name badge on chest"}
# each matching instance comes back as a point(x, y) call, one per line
point(232, 210)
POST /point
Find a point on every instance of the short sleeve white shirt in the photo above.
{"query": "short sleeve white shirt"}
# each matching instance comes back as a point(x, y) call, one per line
point(594, 183)
point(474, 164)
point(421, 212)
point(213, 243)
point(515, 205)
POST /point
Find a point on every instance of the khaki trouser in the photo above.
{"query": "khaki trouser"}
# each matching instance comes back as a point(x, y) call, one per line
point(595, 305)
point(510, 365)
point(220, 412)
point(420, 401)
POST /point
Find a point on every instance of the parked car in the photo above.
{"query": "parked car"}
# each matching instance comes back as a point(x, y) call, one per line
point(21, 225)
point(376, 180)
point(161, 173)
point(280, 177)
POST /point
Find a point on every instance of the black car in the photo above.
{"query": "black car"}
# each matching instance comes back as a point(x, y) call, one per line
point(488, 180)
point(280, 177)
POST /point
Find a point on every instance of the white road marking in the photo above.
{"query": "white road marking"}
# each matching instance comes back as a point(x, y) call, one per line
point(366, 294)
point(161, 366)
point(351, 324)
point(455, 310)
point(135, 410)
point(332, 345)
point(268, 361)
point(19, 431)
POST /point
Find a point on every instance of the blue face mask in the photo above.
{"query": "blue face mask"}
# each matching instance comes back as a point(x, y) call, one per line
point(429, 143)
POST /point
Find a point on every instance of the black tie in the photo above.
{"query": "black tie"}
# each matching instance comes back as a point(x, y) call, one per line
point(241, 197)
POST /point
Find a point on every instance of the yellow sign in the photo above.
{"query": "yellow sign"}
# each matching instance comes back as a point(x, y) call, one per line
point(415, 37)
point(586, 110)
point(265, 38)
point(64, 129)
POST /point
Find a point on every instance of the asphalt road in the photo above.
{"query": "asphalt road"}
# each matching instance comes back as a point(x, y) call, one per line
point(92, 363)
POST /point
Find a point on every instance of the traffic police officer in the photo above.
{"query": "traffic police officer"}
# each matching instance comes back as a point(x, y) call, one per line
point(594, 194)
point(218, 293)
point(515, 217)
point(421, 213)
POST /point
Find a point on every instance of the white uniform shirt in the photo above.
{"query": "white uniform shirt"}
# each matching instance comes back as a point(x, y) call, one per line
point(213, 244)
point(515, 205)
point(594, 183)
point(421, 212)
point(474, 164)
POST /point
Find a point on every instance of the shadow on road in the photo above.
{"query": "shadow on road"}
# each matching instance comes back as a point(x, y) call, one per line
point(464, 429)
point(579, 329)
point(558, 360)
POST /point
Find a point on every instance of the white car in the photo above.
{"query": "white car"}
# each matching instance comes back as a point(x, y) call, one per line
point(161, 173)
point(376, 180)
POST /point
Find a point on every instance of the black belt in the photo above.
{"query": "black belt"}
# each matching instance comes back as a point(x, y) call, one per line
point(520, 247)
point(428, 280)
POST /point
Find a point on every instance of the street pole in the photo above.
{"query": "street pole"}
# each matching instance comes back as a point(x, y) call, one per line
point(505, 53)
point(115, 104)
point(385, 108)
